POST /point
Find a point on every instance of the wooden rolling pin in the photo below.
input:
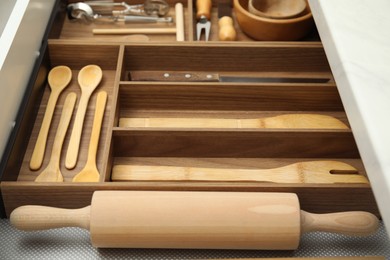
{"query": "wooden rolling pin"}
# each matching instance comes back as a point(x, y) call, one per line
point(213, 220)
point(312, 121)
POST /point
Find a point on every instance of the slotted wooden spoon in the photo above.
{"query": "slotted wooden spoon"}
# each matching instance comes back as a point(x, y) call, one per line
point(302, 172)
point(89, 78)
point(58, 78)
point(311, 121)
point(52, 172)
point(90, 173)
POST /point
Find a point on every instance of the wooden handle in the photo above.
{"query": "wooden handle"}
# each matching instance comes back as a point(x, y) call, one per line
point(40, 145)
point(30, 218)
point(74, 143)
point(312, 121)
point(203, 8)
point(96, 127)
point(179, 22)
point(173, 173)
point(301, 172)
point(354, 223)
point(52, 172)
point(66, 116)
point(226, 29)
point(135, 31)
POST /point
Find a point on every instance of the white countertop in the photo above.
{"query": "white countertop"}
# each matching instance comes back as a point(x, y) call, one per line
point(22, 26)
point(356, 38)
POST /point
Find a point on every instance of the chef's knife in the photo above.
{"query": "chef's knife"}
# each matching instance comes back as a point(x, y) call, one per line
point(215, 77)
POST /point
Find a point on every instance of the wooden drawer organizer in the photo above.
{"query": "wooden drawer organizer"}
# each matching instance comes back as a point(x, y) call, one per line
point(204, 147)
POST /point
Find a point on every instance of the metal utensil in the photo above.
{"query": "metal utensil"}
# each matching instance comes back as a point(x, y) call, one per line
point(83, 11)
point(200, 76)
point(203, 15)
point(150, 8)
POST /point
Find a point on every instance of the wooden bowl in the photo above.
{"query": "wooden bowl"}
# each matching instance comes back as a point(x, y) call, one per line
point(277, 9)
point(267, 29)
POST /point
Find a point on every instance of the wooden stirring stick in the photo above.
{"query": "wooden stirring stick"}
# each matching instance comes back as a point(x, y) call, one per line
point(52, 172)
point(90, 172)
point(58, 78)
point(302, 172)
point(310, 121)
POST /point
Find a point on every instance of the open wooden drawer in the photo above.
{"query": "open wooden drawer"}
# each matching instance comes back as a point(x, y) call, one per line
point(130, 96)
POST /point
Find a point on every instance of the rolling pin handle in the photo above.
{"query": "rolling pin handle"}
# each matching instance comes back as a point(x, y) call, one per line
point(352, 223)
point(31, 218)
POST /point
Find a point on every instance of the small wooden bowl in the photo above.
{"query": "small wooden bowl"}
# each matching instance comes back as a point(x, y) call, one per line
point(267, 29)
point(277, 9)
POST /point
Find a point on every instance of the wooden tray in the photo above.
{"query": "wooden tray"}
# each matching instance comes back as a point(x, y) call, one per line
point(72, 45)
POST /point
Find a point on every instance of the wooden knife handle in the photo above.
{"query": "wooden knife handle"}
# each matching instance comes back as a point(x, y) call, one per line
point(352, 223)
point(203, 8)
point(226, 29)
point(30, 218)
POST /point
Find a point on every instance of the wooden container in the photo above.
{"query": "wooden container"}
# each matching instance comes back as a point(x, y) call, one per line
point(73, 44)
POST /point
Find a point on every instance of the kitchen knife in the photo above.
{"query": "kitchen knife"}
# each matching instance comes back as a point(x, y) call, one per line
point(174, 76)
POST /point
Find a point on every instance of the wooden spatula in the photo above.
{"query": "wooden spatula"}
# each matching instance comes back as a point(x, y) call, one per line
point(311, 121)
point(90, 172)
point(52, 172)
point(302, 172)
point(58, 78)
point(89, 78)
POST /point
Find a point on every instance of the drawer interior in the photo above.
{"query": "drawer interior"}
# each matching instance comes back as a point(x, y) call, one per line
point(186, 147)
point(80, 29)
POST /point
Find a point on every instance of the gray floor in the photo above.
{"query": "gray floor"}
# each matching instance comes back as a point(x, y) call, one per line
point(73, 243)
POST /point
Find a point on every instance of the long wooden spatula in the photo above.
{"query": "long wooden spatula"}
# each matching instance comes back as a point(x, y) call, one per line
point(309, 121)
point(302, 172)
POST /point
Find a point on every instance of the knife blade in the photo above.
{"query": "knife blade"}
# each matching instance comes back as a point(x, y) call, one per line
point(170, 76)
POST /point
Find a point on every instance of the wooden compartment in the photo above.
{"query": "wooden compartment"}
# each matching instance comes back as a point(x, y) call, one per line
point(74, 29)
point(73, 45)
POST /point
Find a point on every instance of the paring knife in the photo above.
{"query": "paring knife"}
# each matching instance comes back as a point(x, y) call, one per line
point(175, 76)
point(225, 23)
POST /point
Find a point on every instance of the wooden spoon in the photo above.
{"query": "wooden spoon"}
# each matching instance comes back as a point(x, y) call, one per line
point(310, 121)
point(277, 9)
point(301, 172)
point(58, 78)
point(90, 172)
point(89, 78)
point(52, 172)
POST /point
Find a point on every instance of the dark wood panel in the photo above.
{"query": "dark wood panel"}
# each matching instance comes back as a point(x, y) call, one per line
point(234, 143)
point(78, 54)
point(202, 56)
point(218, 96)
